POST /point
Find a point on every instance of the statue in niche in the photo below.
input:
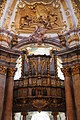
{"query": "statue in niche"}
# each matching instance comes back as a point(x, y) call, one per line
point(25, 21)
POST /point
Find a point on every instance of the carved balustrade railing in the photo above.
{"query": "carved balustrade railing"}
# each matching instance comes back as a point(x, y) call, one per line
point(38, 97)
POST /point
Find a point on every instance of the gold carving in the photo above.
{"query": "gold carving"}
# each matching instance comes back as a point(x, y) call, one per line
point(30, 15)
point(40, 103)
point(3, 69)
point(78, 3)
point(11, 72)
point(72, 38)
point(32, 2)
point(4, 38)
point(9, 13)
point(2, 5)
point(76, 70)
point(62, 40)
point(66, 71)
point(77, 12)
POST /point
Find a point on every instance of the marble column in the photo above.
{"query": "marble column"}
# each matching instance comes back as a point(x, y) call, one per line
point(68, 94)
point(2, 87)
point(76, 84)
point(24, 115)
point(9, 96)
point(54, 115)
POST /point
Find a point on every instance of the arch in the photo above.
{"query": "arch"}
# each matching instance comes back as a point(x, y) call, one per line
point(40, 116)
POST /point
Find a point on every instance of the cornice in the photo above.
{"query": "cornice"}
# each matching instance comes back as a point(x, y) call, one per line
point(21, 37)
point(10, 51)
point(69, 50)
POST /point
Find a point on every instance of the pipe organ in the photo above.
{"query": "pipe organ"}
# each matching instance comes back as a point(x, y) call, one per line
point(39, 87)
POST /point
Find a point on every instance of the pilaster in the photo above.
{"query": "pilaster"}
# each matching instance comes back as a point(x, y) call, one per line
point(8, 59)
point(3, 70)
point(76, 85)
point(68, 92)
point(9, 96)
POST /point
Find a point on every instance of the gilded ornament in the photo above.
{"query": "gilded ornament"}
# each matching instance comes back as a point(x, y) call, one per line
point(76, 70)
point(77, 12)
point(66, 71)
point(73, 37)
point(11, 72)
point(3, 70)
point(39, 104)
point(21, 5)
point(36, 14)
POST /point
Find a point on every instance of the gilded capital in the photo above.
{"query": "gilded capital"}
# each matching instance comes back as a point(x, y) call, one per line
point(11, 72)
point(76, 69)
point(66, 71)
point(3, 69)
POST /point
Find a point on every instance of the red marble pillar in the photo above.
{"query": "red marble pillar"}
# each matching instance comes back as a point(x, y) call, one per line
point(54, 115)
point(9, 96)
point(24, 115)
point(2, 87)
point(68, 94)
point(76, 84)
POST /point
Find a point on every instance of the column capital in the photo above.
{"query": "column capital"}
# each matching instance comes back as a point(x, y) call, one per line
point(66, 71)
point(3, 69)
point(11, 71)
point(75, 69)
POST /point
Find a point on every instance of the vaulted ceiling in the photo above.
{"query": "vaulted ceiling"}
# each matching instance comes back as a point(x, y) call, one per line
point(56, 16)
point(23, 17)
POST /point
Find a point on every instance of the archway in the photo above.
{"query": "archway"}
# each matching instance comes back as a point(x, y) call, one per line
point(40, 116)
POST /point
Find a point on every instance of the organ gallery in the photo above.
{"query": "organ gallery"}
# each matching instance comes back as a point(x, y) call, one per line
point(39, 60)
